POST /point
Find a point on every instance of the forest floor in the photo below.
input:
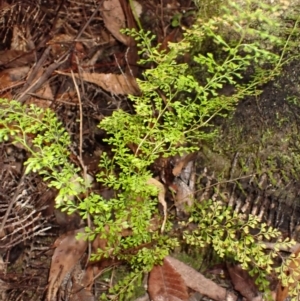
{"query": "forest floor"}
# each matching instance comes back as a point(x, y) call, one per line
point(255, 161)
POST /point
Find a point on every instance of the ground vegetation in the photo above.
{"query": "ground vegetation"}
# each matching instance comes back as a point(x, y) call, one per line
point(130, 136)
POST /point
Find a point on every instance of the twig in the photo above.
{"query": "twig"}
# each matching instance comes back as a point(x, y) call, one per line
point(227, 181)
point(17, 84)
point(81, 30)
point(233, 165)
point(36, 69)
point(80, 69)
point(80, 156)
point(40, 81)
point(80, 120)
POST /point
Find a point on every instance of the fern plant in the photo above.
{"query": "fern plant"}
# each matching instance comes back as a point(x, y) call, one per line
point(235, 238)
point(180, 99)
point(181, 96)
point(47, 142)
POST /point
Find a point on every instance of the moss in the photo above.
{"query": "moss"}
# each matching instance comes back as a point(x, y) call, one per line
point(264, 132)
point(209, 8)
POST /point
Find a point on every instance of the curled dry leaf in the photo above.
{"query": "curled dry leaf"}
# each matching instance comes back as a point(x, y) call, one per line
point(165, 283)
point(243, 282)
point(114, 83)
point(161, 198)
point(199, 283)
point(182, 163)
point(114, 20)
point(68, 251)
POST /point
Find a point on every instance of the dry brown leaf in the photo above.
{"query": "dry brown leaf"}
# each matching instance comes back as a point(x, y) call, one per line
point(16, 58)
point(44, 94)
point(94, 268)
point(182, 162)
point(199, 283)
point(114, 83)
point(161, 198)
point(10, 78)
point(59, 43)
point(243, 282)
point(68, 251)
point(165, 283)
point(114, 20)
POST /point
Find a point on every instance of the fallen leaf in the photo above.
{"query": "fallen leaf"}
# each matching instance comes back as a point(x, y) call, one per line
point(196, 281)
point(243, 282)
point(16, 58)
point(44, 94)
point(182, 162)
point(68, 251)
point(161, 198)
point(165, 283)
point(114, 20)
point(114, 83)
point(10, 78)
